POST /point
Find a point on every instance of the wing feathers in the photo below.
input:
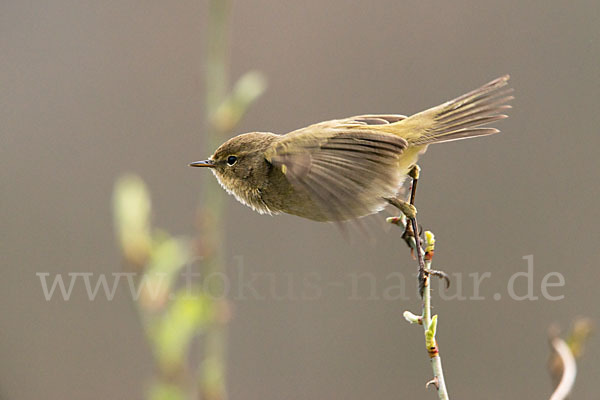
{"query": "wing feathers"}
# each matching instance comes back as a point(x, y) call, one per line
point(346, 171)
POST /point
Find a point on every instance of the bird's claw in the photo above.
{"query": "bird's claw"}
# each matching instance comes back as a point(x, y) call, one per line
point(424, 278)
point(439, 274)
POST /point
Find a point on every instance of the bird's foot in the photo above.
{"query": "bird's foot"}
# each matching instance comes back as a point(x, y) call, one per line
point(404, 206)
point(439, 274)
point(424, 278)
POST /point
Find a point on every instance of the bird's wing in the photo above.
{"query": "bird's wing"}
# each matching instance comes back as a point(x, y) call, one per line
point(345, 166)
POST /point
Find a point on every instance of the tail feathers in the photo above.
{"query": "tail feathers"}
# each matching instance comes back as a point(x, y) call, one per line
point(460, 118)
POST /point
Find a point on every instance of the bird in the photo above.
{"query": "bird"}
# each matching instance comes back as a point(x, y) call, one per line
point(348, 168)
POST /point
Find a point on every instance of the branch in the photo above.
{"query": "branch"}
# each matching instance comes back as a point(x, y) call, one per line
point(424, 258)
point(562, 363)
point(569, 369)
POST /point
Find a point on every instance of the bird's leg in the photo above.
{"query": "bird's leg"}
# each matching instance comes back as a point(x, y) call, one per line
point(423, 274)
point(404, 206)
point(412, 234)
point(408, 209)
point(413, 231)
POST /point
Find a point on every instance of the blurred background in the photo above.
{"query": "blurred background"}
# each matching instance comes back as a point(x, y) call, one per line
point(93, 90)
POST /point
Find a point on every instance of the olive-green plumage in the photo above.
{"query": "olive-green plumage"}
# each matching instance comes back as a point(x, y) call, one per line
point(343, 169)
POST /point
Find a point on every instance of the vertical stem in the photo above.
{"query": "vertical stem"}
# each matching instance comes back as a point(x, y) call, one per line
point(421, 273)
point(429, 324)
point(426, 301)
point(212, 375)
point(217, 58)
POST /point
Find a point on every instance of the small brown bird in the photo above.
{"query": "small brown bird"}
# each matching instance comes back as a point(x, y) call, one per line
point(347, 168)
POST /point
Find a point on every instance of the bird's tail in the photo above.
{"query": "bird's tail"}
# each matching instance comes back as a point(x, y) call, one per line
point(460, 118)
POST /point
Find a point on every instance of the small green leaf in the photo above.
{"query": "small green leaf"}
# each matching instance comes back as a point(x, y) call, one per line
point(131, 209)
point(166, 260)
point(429, 241)
point(245, 92)
point(430, 333)
point(186, 316)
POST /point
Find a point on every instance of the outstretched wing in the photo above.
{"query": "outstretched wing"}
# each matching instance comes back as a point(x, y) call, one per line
point(345, 166)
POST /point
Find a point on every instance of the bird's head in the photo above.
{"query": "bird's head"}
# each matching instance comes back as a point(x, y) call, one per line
point(240, 165)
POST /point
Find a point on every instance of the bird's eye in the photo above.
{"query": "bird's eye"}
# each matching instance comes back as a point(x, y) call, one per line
point(231, 160)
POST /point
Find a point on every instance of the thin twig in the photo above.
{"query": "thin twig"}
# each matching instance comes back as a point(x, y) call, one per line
point(429, 323)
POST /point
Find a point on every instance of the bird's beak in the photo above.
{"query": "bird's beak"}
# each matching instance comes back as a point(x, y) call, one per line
point(205, 163)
